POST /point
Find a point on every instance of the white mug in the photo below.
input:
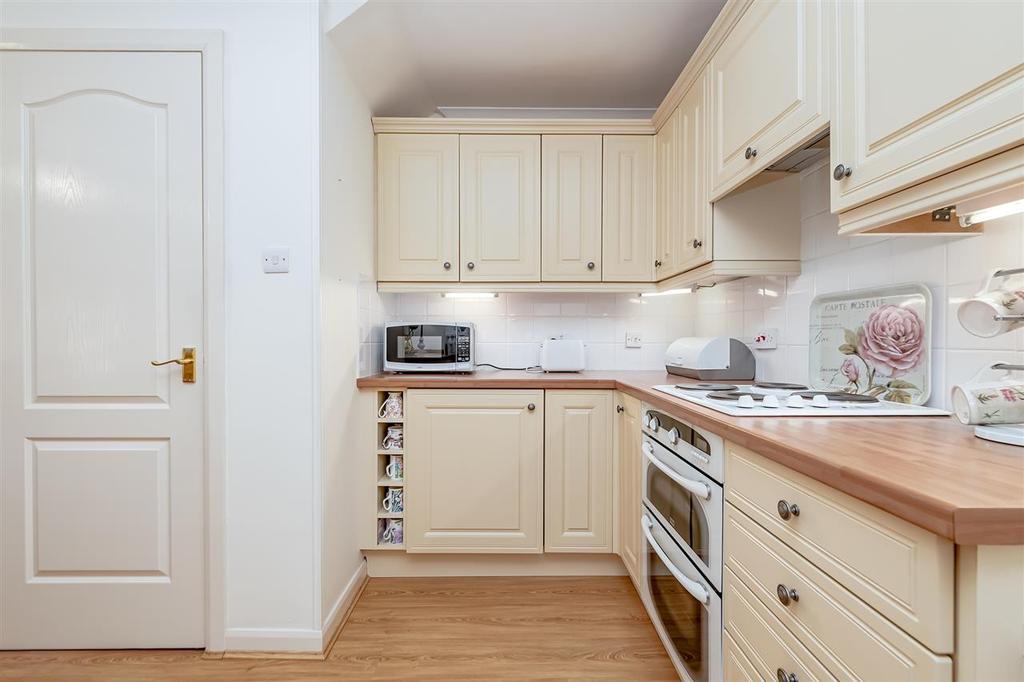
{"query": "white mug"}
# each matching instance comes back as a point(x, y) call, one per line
point(393, 502)
point(991, 397)
point(992, 312)
point(393, 439)
point(391, 408)
point(392, 533)
point(395, 469)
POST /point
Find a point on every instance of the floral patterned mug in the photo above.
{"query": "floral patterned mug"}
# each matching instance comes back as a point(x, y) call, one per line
point(993, 311)
point(990, 397)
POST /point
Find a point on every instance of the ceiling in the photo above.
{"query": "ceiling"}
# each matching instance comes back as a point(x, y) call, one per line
point(414, 57)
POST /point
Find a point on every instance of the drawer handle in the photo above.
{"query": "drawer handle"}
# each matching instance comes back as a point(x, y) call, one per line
point(787, 509)
point(783, 676)
point(470, 265)
point(787, 594)
point(531, 407)
point(750, 153)
point(591, 265)
point(447, 265)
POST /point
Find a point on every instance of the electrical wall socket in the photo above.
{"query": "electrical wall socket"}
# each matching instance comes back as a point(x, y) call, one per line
point(633, 339)
point(766, 339)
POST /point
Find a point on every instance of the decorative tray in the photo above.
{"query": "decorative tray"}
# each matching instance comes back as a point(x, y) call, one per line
point(873, 342)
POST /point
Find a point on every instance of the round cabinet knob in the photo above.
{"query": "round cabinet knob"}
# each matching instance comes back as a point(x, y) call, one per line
point(783, 676)
point(447, 265)
point(841, 171)
point(787, 509)
point(470, 265)
point(590, 265)
point(786, 594)
point(697, 243)
point(750, 153)
point(657, 263)
point(620, 409)
point(531, 407)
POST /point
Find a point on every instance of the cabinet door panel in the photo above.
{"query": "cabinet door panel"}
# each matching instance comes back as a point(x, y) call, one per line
point(500, 208)
point(768, 88)
point(630, 494)
point(908, 107)
point(418, 208)
point(578, 471)
point(692, 236)
point(628, 209)
point(571, 222)
point(666, 194)
point(474, 471)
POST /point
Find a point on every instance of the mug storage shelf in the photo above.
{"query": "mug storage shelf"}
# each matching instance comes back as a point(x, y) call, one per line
point(388, 524)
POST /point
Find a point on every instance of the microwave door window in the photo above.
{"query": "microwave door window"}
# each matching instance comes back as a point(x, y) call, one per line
point(686, 621)
point(421, 344)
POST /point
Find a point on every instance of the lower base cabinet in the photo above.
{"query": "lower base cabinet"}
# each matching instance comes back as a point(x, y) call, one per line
point(579, 471)
point(474, 471)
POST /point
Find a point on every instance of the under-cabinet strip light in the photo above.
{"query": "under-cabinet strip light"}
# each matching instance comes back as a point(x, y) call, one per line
point(469, 295)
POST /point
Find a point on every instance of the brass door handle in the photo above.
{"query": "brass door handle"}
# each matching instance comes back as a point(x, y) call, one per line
point(187, 362)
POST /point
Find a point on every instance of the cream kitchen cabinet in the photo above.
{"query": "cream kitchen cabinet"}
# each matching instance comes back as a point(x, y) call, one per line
point(578, 471)
point(571, 218)
point(667, 194)
point(769, 88)
point(474, 472)
point(909, 106)
point(630, 542)
point(692, 236)
point(627, 249)
point(499, 197)
point(418, 207)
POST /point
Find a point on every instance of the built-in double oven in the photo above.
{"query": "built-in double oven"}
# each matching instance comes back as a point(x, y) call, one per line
point(682, 518)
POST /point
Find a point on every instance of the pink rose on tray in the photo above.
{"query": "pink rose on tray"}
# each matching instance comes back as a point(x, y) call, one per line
point(892, 340)
point(850, 370)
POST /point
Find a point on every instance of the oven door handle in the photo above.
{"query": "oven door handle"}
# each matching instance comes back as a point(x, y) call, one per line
point(701, 490)
point(696, 590)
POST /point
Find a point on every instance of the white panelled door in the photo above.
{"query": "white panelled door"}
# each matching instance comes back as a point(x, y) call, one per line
point(101, 250)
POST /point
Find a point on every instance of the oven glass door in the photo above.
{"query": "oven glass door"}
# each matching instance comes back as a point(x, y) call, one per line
point(687, 609)
point(688, 502)
point(421, 344)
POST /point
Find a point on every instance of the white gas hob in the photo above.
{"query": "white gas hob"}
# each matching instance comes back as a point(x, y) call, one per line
point(789, 400)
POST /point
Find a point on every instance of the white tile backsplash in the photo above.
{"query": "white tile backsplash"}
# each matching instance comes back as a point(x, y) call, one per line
point(952, 267)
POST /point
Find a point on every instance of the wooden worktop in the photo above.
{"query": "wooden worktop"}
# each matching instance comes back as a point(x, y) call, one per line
point(931, 471)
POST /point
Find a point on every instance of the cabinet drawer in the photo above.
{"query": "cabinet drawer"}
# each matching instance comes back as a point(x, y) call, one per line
point(769, 647)
point(849, 637)
point(736, 665)
point(901, 570)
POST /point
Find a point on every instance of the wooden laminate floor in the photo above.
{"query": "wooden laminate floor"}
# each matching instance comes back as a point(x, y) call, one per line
point(587, 628)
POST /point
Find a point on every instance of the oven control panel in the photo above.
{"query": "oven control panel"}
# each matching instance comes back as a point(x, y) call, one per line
point(700, 447)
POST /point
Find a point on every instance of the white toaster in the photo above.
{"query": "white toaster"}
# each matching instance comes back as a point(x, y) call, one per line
point(561, 355)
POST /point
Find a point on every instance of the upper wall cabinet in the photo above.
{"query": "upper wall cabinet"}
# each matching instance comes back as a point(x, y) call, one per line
point(628, 209)
point(417, 208)
point(500, 208)
point(571, 222)
point(667, 199)
point(910, 105)
point(768, 88)
point(692, 236)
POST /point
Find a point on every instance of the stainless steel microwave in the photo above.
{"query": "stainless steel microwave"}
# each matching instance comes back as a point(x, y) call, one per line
point(429, 347)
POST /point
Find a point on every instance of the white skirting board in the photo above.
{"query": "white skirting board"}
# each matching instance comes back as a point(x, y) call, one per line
point(297, 641)
point(392, 564)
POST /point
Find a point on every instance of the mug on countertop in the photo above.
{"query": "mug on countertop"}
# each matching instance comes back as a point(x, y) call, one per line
point(990, 397)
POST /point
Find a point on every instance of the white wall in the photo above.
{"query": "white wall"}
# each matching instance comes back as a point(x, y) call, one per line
point(952, 267)
point(272, 197)
point(346, 266)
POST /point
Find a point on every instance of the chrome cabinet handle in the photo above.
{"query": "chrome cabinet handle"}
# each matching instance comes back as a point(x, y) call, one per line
point(840, 172)
point(696, 590)
point(750, 153)
point(470, 265)
point(620, 409)
point(787, 594)
point(657, 263)
point(787, 509)
point(447, 265)
point(783, 676)
point(697, 243)
point(531, 407)
point(591, 265)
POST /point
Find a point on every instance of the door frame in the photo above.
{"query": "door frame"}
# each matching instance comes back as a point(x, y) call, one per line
point(210, 45)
